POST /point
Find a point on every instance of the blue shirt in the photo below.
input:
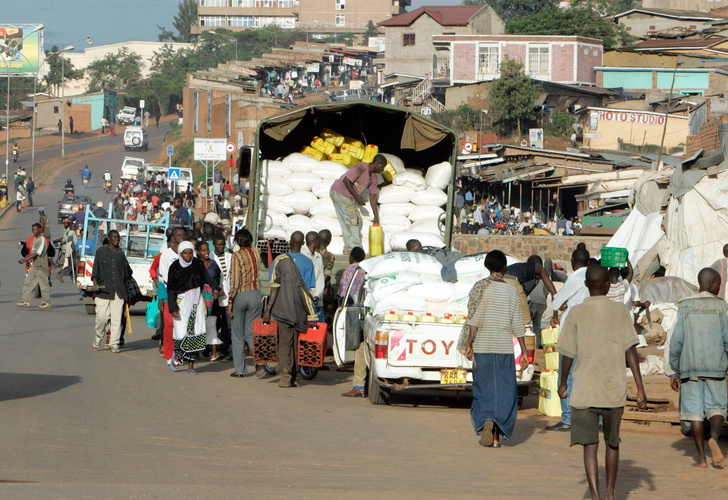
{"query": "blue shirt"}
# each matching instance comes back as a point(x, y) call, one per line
point(85, 173)
point(181, 217)
point(90, 246)
point(469, 196)
point(305, 267)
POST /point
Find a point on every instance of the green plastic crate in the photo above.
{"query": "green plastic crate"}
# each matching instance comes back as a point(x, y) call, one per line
point(614, 257)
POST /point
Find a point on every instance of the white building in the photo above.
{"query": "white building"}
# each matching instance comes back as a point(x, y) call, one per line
point(91, 53)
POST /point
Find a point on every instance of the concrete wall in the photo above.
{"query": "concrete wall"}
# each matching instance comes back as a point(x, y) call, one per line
point(639, 24)
point(699, 5)
point(522, 247)
point(636, 128)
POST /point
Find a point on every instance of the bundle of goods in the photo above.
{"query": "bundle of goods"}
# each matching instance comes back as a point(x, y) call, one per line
point(549, 403)
point(295, 194)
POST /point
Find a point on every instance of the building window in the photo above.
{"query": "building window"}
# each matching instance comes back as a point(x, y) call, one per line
point(241, 21)
point(340, 20)
point(280, 21)
point(214, 3)
point(243, 4)
point(340, 4)
point(55, 109)
point(538, 60)
point(274, 4)
point(408, 39)
point(488, 61)
point(213, 21)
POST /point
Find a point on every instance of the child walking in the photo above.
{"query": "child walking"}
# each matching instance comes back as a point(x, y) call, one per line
point(599, 334)
point(698, 355)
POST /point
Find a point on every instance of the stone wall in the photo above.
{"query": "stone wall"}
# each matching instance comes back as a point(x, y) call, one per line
point(521, 247)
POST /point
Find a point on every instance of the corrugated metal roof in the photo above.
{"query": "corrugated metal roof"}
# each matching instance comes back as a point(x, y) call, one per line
point(673, 13)
point(445, 15)
point(674, 43)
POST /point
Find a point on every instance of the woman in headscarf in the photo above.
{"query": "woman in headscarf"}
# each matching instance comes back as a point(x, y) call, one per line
point(494, 318)
point(187, 305)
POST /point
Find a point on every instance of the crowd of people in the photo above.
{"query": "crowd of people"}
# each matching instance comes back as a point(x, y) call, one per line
point(23, 188)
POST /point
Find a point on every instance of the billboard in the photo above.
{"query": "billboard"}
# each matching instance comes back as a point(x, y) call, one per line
point(20, 49)
point(210, 149)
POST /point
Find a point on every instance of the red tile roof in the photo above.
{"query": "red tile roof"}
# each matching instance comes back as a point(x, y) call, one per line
point(445, 15)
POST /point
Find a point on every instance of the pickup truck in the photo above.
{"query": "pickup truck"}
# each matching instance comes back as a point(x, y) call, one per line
point(404, 355)
point(126, 115)
point(131, 168)
point(140, 241)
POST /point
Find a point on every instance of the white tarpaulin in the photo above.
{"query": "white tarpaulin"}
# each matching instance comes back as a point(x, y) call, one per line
point(638, 234)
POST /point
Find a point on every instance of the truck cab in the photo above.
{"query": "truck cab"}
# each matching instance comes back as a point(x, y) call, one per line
point(131, 168)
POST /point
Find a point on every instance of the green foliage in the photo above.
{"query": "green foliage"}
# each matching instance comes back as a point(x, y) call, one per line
point(183, 154)
point(461, 119)
point(511, 99)
point(512, 9)
point(560, 124)
point(372, 30)
point(576, 21)
point(345, 38)
point(608, 7)
point(121, 70)
point(186, 18)
point(54, 60)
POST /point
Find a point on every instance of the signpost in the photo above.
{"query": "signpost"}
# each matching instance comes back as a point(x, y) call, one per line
point(230, 148)
point(208, 151)
point(173, 176)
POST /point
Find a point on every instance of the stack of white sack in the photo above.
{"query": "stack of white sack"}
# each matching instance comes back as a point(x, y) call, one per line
point(408, 281)
point(296, 197)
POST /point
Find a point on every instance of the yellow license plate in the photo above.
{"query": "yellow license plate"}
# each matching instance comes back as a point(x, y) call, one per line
point(453, 377)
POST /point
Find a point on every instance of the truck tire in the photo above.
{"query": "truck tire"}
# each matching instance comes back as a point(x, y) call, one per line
point(377, 395)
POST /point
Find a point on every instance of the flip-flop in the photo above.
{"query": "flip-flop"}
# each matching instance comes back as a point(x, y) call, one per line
point(192, 371)
point(173, 365)
point(237, 375)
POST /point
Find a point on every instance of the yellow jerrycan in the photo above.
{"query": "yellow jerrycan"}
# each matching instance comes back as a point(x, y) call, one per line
point(376, 240)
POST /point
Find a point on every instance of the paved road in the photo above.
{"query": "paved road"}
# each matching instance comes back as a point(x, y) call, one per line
point(77, 423)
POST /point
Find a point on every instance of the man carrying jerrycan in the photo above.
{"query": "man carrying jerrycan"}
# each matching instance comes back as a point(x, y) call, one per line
point(347, 194)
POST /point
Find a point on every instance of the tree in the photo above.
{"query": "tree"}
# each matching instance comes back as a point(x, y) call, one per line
point(576, 21)
point(120, 70)
point(608, 7)
point(54, 61)
point(372, 30)
point(184, 20)
point(512, 9)
point(512, 97)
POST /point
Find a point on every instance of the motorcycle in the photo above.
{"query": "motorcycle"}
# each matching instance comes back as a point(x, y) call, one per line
point(85, 181)
point(68, 190)
point(107, 186)
point(15, 156)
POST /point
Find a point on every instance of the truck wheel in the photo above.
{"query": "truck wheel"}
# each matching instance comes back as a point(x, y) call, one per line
point(377, 395)
point(90, 309)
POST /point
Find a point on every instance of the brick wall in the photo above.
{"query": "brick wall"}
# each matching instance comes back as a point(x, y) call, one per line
point(515, 52)
point(81, 114)
point(585, 63)
point(522, 247)
point(562, 62)
point(464, 61)
point(708, 138)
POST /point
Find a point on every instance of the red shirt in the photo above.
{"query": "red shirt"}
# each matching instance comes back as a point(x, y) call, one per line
point(155, 265)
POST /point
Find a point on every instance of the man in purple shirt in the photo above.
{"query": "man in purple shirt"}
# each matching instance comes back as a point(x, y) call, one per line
point(347, 193)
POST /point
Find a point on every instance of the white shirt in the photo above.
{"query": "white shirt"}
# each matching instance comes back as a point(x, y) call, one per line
point(572, 293)
point(318, 269)
point(165, 261)
point(224, 274)
point(107, 176)
point(478, 215)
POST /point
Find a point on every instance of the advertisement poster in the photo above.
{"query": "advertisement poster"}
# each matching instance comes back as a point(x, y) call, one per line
point(535, 136)
point(20, 49)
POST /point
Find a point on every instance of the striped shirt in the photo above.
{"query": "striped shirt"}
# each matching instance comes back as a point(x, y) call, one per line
point(244, 271)
point(498, 318)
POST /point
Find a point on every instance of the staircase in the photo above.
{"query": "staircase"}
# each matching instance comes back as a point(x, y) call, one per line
point(422, 95)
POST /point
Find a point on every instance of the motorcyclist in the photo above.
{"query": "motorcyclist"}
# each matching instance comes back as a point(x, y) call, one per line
point(86, 173)
point(107, 175)
point(16, 151)
point(79, 216)
point(69, 188)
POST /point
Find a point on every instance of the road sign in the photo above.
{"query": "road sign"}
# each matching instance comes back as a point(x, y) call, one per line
point(468, 147)
point(210, 150)
point(230, 147)
point(141, 103)
point(170, 150)
point(173, 174)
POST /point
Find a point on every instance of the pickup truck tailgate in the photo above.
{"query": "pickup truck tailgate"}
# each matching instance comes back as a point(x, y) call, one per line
point(426, 345)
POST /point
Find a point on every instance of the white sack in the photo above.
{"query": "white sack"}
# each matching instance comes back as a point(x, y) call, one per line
point(300, 181)
point(329, 170)
point(337, 245)
point(396, 209)
point(395, 194)
point(430, 288)
point(398, 241)
point(276, 187)
point(324, 207)
point(401, 262)
point(301, 201)
point(426, 226)
point(275, 204)
point(438, 176)
point(275, 232)
point(430, 196)
point(474, 265)
point(320, 222)
point(395, 161)
point(273, 218)
point(426, 212)
point(389, 284)
point(399, 301)
point(298, 158)
point(394, 221)
point(366, 212)
point(322, 189)
point(410, 179)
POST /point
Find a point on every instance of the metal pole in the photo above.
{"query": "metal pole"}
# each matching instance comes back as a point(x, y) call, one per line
point(667, 114)
point(32, 153)
point(7, 128)
point(63, 118)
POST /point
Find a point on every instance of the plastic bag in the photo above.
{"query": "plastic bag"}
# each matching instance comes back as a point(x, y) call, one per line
point(153, 313)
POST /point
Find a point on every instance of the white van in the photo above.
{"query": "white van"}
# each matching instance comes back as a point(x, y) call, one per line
point(185, 178)
point(136, 138)
point(131, 168)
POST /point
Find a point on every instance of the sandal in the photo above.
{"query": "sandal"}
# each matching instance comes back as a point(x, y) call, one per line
point(237, 375)
point(192, 371)
point(173, 364)
point(217, 357)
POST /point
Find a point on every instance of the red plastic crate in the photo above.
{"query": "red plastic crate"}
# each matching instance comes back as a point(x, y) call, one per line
point(265, 341)
point(312, 346)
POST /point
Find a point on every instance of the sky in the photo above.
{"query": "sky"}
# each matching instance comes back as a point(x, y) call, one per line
point(107, 21)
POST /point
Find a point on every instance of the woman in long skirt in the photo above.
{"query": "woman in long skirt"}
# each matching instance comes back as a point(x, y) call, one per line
point(494, 318)
point(187, 305)
point(213, 340)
